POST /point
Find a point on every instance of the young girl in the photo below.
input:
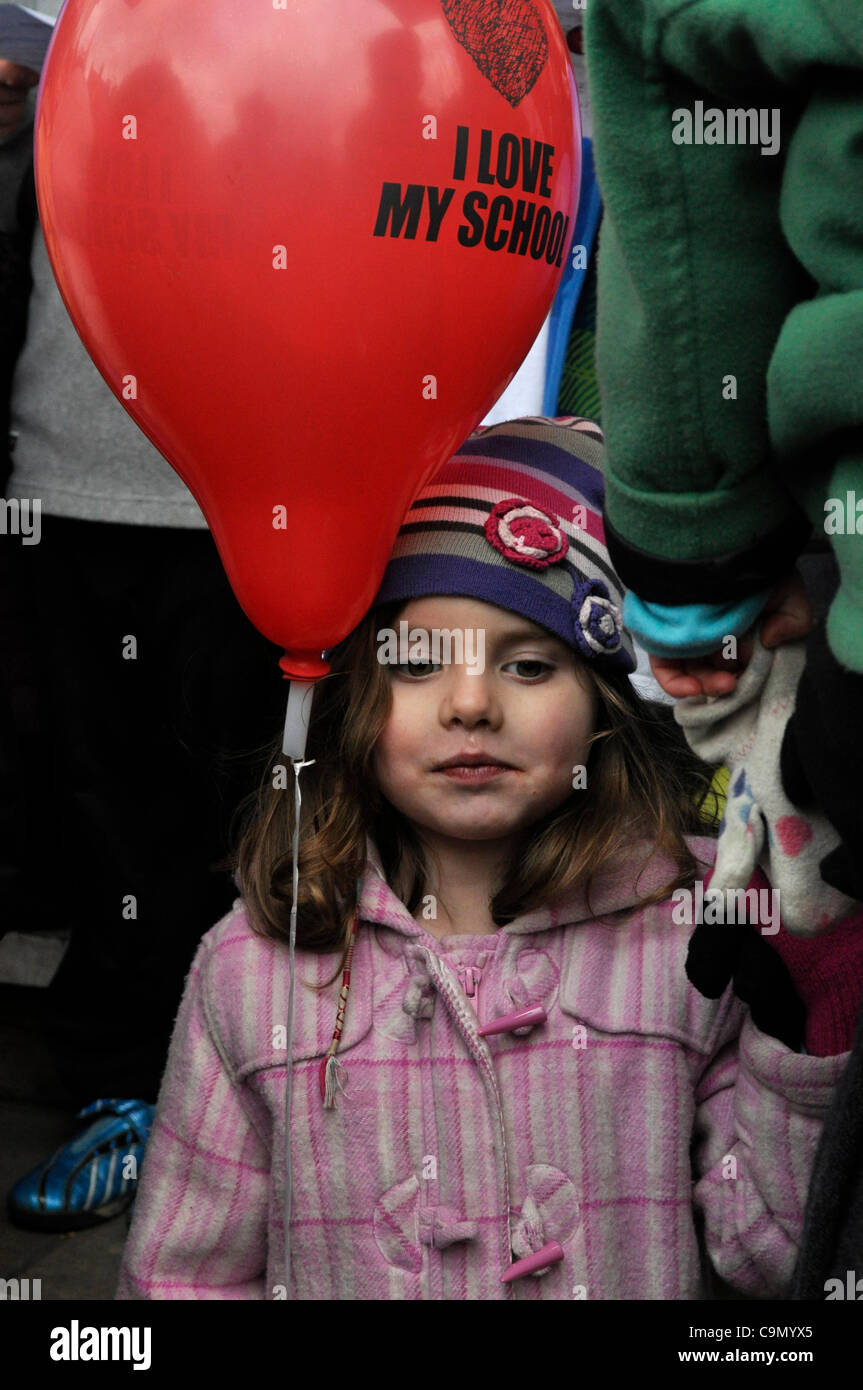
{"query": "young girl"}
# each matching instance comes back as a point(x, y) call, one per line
point(503, 1085)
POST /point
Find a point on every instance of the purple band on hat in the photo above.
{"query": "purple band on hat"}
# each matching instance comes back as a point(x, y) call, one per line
point(419, 576)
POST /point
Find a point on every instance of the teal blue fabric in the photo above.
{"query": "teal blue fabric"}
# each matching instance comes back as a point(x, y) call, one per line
point(690, 629)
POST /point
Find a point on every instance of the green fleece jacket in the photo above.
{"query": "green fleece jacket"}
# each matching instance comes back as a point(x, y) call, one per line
point(728, 139)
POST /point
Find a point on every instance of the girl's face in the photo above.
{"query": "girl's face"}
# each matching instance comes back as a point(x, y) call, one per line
point(524, 703)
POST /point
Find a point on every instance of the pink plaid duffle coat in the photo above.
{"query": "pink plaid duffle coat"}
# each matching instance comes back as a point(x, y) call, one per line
point(605, 1131)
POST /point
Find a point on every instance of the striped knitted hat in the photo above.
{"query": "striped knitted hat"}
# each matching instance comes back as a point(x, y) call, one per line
point(515, 519)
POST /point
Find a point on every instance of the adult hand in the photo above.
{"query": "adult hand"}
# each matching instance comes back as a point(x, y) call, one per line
point(15, 83)
point(786, 616)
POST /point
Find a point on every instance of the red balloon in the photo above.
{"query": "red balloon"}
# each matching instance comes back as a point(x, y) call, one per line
point(307, 246)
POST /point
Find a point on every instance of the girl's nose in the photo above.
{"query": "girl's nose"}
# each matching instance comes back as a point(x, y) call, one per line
point(469, 699)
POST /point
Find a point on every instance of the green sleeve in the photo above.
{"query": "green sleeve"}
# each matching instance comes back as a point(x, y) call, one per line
point(730, 281)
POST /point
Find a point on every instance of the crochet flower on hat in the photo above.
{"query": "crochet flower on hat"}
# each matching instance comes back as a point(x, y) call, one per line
point(525, 533)
point(596, 621)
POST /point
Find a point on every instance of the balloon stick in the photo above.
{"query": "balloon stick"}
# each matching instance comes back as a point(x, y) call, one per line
point(297, 718)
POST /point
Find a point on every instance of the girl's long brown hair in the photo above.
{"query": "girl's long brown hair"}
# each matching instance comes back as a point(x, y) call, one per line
point(643, 782)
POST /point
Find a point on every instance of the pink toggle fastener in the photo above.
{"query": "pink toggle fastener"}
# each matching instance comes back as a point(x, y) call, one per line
point(525, 1018)
point(548, 1255)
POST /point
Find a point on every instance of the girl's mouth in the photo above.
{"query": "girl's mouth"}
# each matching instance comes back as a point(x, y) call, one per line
point(480, 772)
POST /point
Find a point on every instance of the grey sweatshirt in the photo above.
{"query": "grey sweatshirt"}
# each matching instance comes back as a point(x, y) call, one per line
point(76, 447)
point(72, 444)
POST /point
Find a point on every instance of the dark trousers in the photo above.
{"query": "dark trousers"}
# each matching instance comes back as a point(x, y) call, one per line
point(122, 773)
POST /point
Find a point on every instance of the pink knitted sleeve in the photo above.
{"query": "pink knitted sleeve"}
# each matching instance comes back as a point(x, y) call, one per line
point(827, 971)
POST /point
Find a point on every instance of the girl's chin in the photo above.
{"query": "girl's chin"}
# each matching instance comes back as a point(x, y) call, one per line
point(468, 827)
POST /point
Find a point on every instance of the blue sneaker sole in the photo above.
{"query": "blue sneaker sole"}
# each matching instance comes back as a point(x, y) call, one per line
point(56, 1221)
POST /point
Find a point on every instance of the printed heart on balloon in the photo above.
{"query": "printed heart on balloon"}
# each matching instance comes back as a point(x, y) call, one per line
point(506, 40)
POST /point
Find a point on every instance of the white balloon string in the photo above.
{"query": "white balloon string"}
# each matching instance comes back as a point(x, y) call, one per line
point(289, 1070)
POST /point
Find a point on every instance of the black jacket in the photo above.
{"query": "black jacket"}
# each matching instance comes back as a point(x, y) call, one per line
point(16, 240)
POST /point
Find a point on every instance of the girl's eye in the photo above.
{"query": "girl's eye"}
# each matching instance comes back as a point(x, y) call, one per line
point(413, 669)
point(542, 666)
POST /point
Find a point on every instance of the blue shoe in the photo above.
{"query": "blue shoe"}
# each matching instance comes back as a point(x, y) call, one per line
point(82, 1183)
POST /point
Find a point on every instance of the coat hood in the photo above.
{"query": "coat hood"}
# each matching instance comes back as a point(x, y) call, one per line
point(616, 889)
